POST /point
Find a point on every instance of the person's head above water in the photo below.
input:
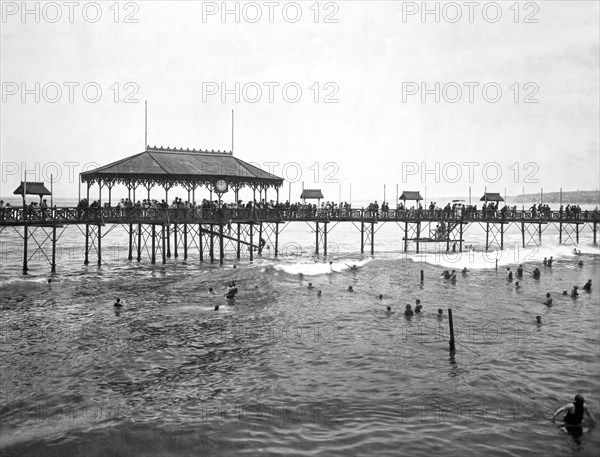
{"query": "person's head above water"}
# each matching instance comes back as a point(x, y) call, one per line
point(319, 292)
point(440, 311)
point(216, 307)
point(350, 288)
point(417, 301)
point(579, 400)
point(380, 296)
point(389, 308)
point(408, 307)
point(538, 319)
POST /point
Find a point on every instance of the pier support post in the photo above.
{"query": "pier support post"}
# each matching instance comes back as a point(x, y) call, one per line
point(153, 255)
point(560, 233)
point(185, 243)
point(325, 238)
point(362, 237)
point(99, 236)
point(86, 260)
point(594, 232)
point(487, 235)
point(130, 253)
point(277, 239)
point(501, 236)
point(212, 243)
point(317, 238)
point(523, 233)
point(460, 242)
point(540, 233)
point(577, 233)
point(405, 236)
point(53, 267)
point(251, 241)
point(25, 237)
point(418, 234)
point(139, 243)
point(168, 240)
point(260, 233)
point(221, 247)
point(372, 238)
point(200, 243)
point(239, 248)
point(163, 233)
point(175, 240)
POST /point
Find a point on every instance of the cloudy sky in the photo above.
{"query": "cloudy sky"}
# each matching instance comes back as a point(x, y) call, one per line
point(497, 96)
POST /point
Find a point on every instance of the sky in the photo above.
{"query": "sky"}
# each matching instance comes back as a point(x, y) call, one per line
point(351, 97)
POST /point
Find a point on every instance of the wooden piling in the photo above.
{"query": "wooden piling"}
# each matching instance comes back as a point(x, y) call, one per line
point(560, 233)
point(200, 243)
point(130, 252)
point(139, 243)
point(221, 247)
point(185, 241)
point(523, 233)
point(251, 241)
point(153, 256)
point(168, 240)
point(422, 276)
point(418, 234)
point(25, 237)
point(212, 243)
point(577, 232)
point(317, 238)
point(175, 240)
point(325, 238)
point(451, 323)
point(487, 235)
point(277, 239)
point(460, 242)
point(405, 236)
point(87, 246)
point(164, 242)
point(239, 246)
point(372, 238)
point(362, 237)
point(99, 233)
point(53, 266)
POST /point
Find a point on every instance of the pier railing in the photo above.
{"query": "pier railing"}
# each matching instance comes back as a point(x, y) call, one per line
point(72, 215)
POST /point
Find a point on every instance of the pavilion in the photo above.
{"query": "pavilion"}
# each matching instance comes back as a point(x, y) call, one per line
point(31, 188)
point(218, 171)
point(411, 195)
point(311, 194)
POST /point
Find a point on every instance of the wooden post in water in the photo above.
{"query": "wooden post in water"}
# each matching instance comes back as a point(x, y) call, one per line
point(260, 233)
point(452, 348)
point(87, 245)
point(316, 238)
point(164, 242)
point(560, 232)
point(251, 241)
point(523, 232)
point(577, 232)
point(239, 249)
point(372, 238)
point(200, 243)
point(418, 234)
point(405, 236)
point(168, 240)
point(53, 268)
point(139, 243)
point(460, 243)
point(277, 238)
point(99, 245)
point(325, 238)
point(594, 232)
point(362, 237)
point(130, 253)
point(212, 243)
point(221, 247)
point(185, 243)
point(501, 236)
point(175, 240)
point(487, 235)
point(25, 237)
point(153, 256)
point(422, 276)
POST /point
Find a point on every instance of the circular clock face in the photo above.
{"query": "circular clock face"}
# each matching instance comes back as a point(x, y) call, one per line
point(222, 185)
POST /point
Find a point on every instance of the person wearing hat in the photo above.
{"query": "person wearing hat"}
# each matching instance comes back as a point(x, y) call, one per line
point(588, 286)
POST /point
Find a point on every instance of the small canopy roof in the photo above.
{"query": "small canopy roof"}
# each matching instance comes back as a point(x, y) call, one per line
point(311, 193)
point(491, 197)
point(410, 195)
point(32, 188)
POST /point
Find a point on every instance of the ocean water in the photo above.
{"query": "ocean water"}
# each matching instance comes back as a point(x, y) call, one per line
point(282, 370)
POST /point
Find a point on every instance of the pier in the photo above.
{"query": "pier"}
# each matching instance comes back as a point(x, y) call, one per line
point(164, 233)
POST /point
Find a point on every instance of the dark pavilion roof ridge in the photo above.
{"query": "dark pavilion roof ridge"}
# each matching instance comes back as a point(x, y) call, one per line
point(186, 151)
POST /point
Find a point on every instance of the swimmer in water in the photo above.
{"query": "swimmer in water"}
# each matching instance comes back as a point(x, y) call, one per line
point(548, 301)
point(350, 289)
point(574, 292)
point(446, 274)
point(49, 280)
point(216, 307)
point(538, 320)
point(319, 293)
point(464, 271)
point(510, 274)
point(310, 286)
point(440, 314)
point(517, 285)
point(118, 303)
point(453, 275)
point(418, 306)
point(408, 311)
point(536, 273)
point(520, 271)
point(352, 267)
point(211, 291)
point(565, 292)
point(550, 260)
point(588, 286)
point(545, 262)
point(575, 412)
point(389, 310)
point(580, 263)
point(380, 296)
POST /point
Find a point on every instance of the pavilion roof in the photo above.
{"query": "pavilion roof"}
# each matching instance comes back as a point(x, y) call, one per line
point(491, 197)
point(32, 188)
point(179, 166)
point(311, 193)
point(410, 195)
